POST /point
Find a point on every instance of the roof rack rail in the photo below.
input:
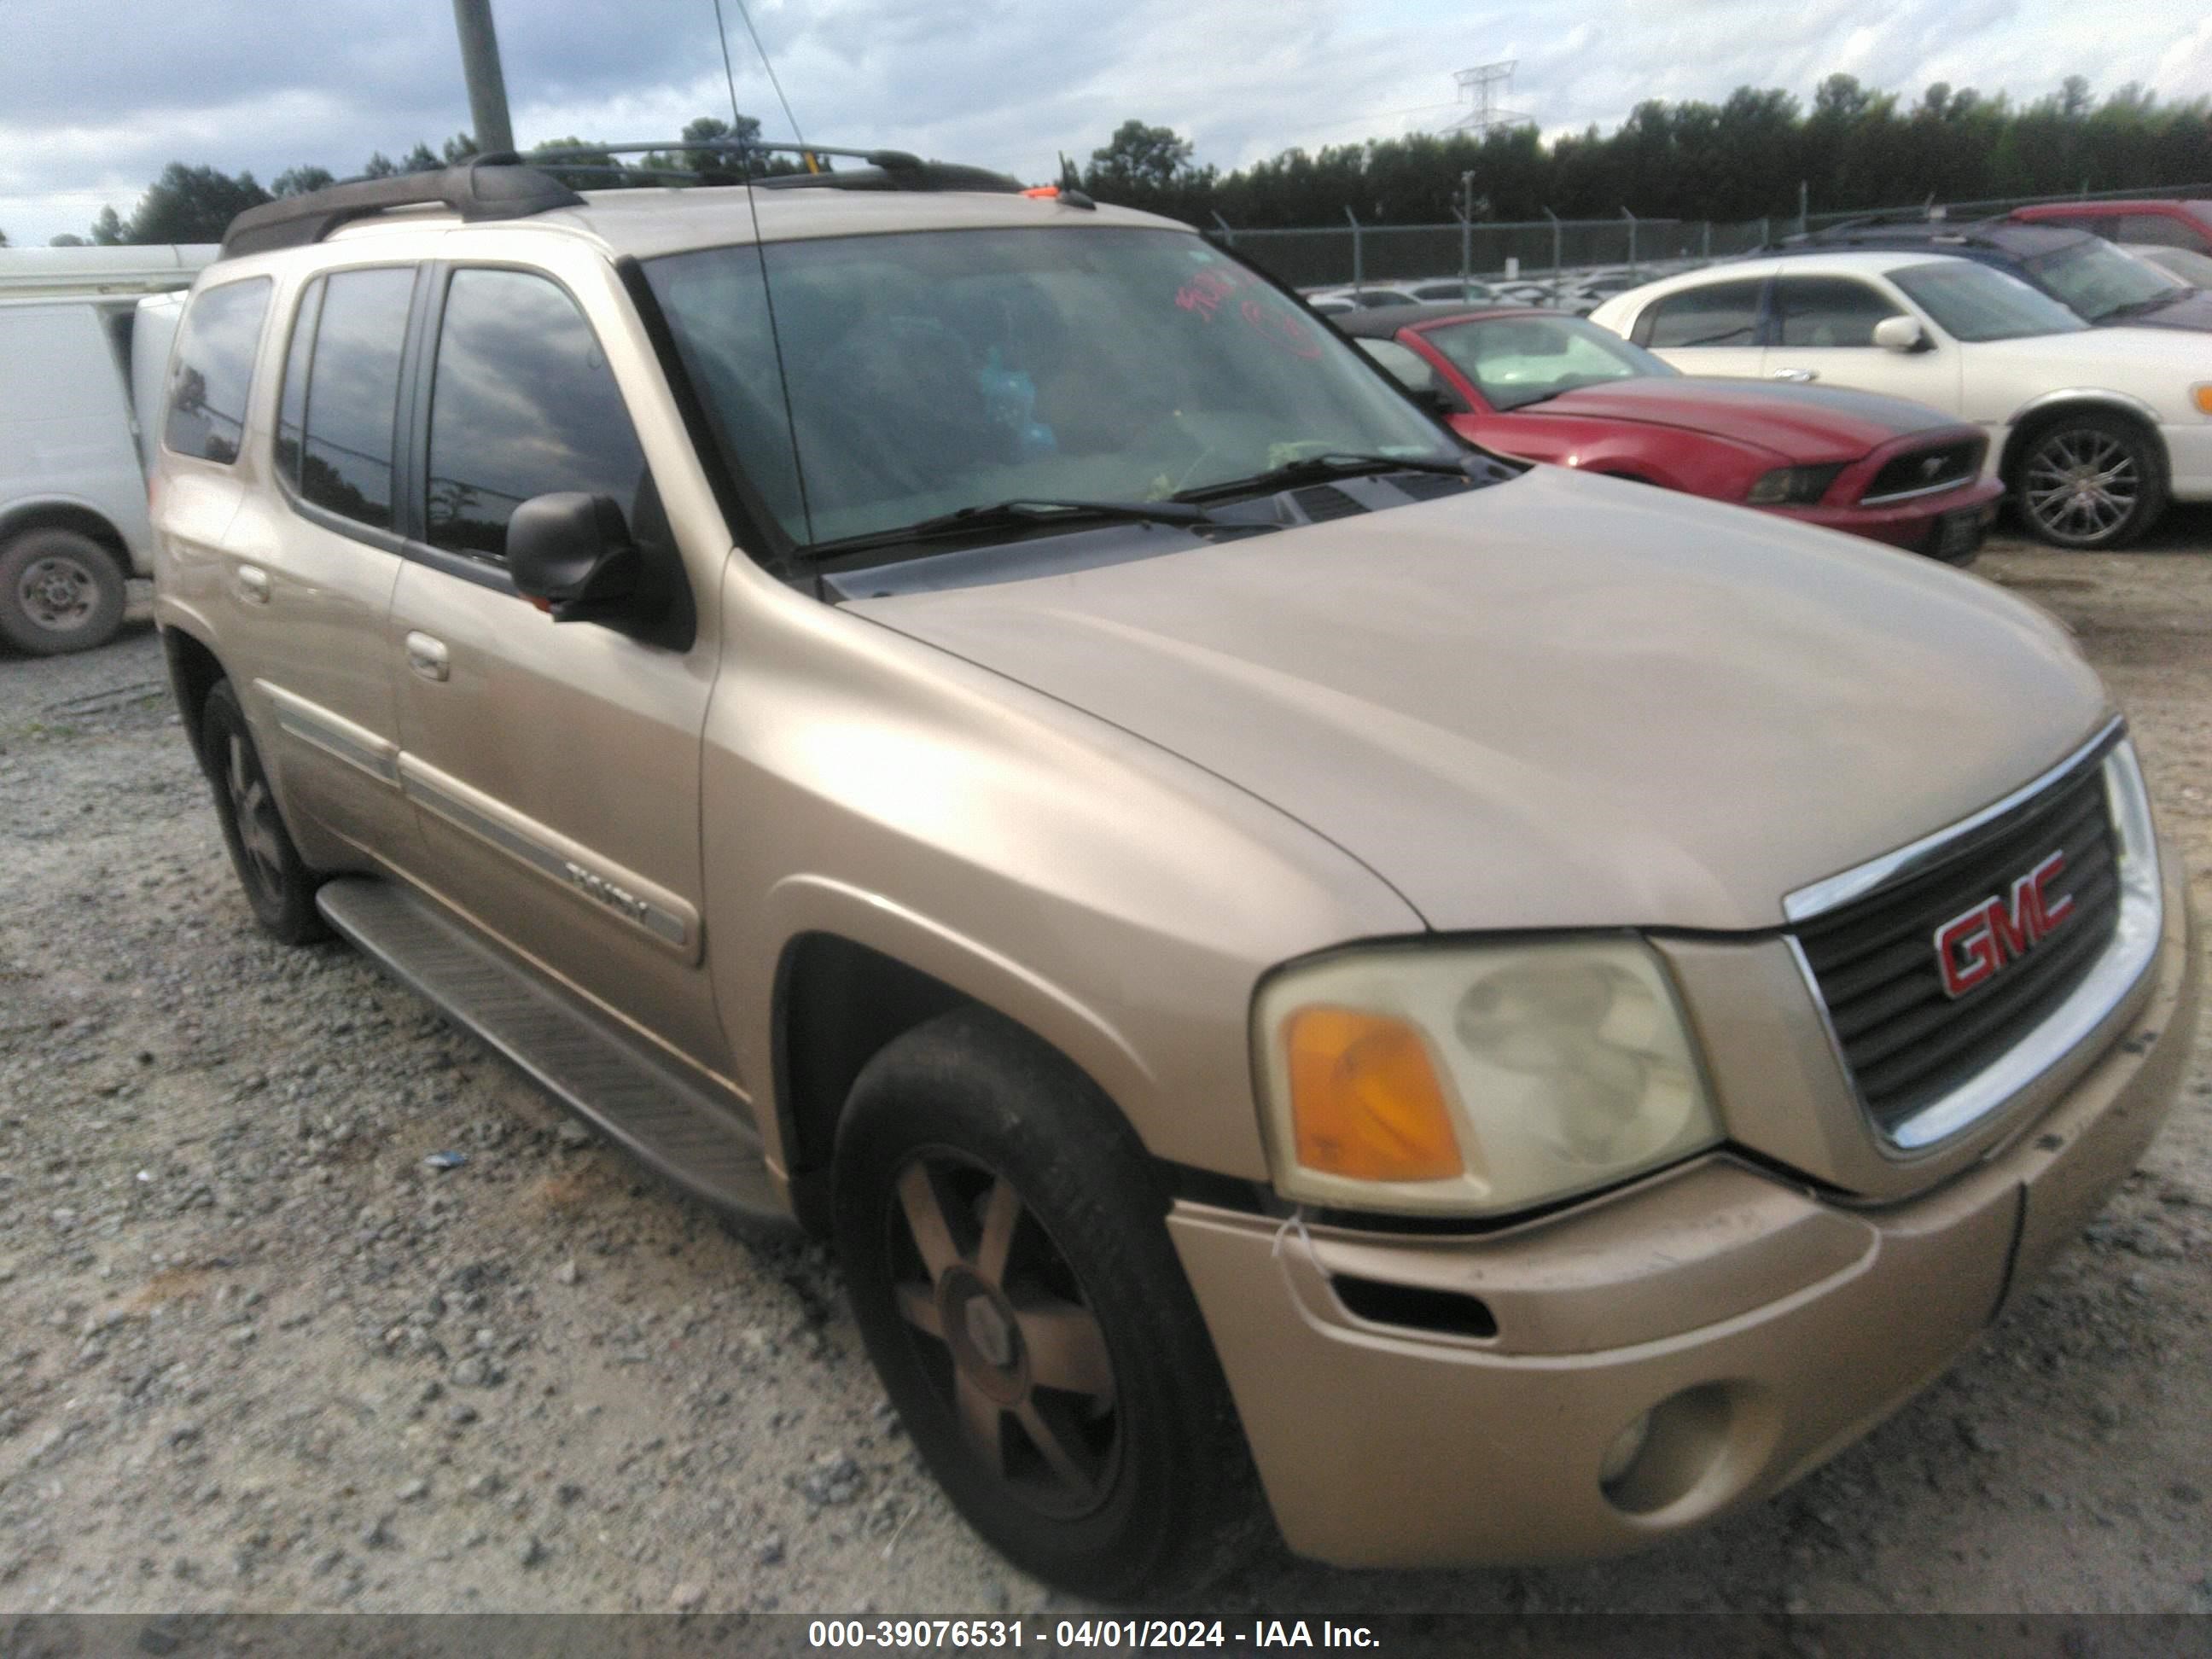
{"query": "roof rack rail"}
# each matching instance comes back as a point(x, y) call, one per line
point(887, 169)
point(504, 184)
point(484, 187)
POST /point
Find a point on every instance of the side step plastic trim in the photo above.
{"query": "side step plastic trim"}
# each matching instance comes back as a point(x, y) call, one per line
point(698, 1136)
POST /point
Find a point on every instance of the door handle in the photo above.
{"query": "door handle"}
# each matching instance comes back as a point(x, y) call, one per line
point(427, 657)
point(252, 584)
point(1795, 376)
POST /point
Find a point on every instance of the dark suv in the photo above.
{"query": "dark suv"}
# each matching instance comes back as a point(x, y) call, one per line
point(2084, 273)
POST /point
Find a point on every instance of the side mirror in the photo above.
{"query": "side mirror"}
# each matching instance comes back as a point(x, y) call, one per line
point(571, 554)
point(1900, 334)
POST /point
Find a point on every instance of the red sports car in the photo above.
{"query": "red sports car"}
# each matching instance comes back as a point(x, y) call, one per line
point(1547, 387)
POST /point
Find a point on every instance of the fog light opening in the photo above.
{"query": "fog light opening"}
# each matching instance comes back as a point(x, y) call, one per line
point(1665, 1455)
point(1623, 1451)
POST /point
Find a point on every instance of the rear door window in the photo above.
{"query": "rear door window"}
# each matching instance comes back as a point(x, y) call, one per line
point(211, 375)
point(1829, 311)
point(352, 394)
point(1723, 314)
point(523, 404)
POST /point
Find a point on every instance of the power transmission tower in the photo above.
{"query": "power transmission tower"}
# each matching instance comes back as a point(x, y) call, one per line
point(1479, 87)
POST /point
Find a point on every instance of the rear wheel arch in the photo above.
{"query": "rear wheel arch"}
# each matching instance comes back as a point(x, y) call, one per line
point(194, 670)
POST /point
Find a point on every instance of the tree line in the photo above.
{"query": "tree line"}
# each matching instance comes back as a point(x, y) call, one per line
point(1745, 158)
point(1855, 148)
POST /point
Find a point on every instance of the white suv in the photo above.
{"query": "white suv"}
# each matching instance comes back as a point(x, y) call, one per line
point(2092, 429)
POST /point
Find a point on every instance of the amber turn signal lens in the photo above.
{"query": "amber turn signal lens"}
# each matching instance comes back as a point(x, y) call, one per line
point(1364, 1099)
point(2201, 395)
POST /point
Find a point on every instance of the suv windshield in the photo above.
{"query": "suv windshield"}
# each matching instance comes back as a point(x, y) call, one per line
point(932, 371)
point(2099, 281)
point(1517, 361)
point(1972, 303)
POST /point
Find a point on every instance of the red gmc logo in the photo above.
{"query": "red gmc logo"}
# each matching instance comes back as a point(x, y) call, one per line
point(1974, 943)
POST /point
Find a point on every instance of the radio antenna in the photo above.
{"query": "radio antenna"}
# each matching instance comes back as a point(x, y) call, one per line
point(760, 249)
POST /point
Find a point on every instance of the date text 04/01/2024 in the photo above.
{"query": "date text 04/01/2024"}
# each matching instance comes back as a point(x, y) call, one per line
point(1084, 1634)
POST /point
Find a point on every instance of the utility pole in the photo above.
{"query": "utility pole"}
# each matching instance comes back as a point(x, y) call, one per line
point(487, 86)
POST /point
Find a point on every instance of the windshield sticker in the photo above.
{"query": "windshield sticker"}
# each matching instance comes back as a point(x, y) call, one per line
point(1208, 290)
point(1283, 327)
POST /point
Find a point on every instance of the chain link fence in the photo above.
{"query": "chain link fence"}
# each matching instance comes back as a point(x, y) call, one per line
point(1326, 256)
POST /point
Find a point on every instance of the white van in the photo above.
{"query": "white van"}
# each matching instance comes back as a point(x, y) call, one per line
point(84, 339)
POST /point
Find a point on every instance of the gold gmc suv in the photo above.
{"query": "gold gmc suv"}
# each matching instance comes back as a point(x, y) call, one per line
point(1489, 1014)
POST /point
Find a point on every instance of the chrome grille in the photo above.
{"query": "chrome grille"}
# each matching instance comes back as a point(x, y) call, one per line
point(1874, 960)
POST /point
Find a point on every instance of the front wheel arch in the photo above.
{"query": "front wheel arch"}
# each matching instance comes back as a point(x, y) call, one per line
point(2089, 414)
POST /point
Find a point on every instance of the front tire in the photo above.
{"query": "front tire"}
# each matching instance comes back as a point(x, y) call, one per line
point(1000, 1229)
point(279, 887)
point(2089, 482)
point(59, 591)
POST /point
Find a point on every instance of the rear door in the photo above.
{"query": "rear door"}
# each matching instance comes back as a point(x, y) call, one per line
point(1714, 328)
point(1823, 334)
point(555, 766)
point(307, 565)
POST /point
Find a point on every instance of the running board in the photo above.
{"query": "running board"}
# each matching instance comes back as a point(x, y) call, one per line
point(698, 1136)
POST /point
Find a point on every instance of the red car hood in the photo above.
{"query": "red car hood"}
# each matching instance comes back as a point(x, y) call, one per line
point(1798, 422)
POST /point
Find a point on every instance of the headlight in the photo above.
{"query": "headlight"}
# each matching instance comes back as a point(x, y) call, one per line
point(1793, 486)
point(1472, 1081)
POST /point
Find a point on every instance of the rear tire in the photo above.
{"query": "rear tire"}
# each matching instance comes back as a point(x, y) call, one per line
point(59, 591)
point(1000, 1229)
point(2089, 481)
point(279, 887)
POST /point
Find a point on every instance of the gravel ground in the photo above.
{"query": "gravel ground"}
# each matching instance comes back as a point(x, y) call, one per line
point(257, 1354)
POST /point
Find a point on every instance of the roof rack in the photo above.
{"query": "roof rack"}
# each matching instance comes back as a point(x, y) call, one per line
point(507, 185)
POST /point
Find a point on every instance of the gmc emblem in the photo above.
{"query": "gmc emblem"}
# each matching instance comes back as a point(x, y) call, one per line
point(1974, 943)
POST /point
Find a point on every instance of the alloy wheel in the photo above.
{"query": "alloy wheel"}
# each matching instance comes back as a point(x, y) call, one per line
point(2081, 485)
point(1011, 1345)
point(254, 811)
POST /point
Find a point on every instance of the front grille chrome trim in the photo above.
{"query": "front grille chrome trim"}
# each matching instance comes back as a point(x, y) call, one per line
point(2119, 968)
point(1809, 903)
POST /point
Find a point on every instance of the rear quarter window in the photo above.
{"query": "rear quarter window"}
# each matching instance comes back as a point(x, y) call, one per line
point(211, 373)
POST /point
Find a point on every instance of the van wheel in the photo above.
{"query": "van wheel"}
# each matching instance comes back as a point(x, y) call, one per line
point(2089, 481)
point(59, 591)
point(279, 887)
point(1000, 1229)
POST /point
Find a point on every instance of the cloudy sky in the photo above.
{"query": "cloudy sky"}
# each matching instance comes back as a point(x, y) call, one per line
point(94, 101)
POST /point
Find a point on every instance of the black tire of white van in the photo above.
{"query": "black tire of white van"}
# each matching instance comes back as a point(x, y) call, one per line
point(280, 888)
point(2120, 465)
point(1153, 1493)
point(60, 591)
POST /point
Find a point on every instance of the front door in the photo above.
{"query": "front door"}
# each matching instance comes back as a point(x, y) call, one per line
point(1824, 335)
point(554, 767)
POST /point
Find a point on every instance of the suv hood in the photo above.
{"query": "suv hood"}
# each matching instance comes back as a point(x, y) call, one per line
point(1557, 701)
point(1798, 422)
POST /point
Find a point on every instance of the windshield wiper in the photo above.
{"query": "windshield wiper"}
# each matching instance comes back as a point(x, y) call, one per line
point(1332, 464)
point(1021, 510)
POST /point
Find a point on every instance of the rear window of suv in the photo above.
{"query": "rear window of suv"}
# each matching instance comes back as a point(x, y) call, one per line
point(211, 374)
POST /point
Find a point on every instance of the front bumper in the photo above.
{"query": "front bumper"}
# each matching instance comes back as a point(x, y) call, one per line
point(1763, 1328)
point(2189, 460)
point(1915, 524)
